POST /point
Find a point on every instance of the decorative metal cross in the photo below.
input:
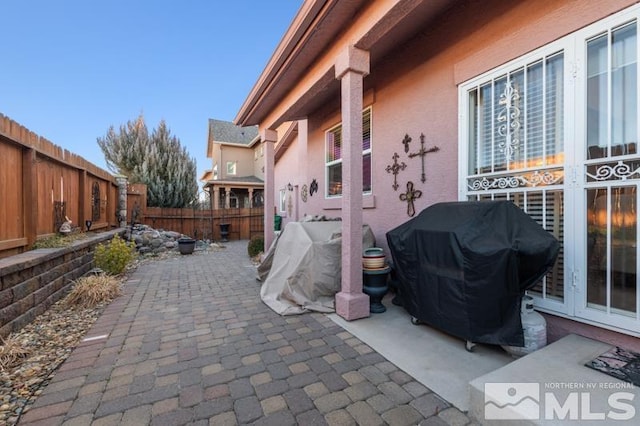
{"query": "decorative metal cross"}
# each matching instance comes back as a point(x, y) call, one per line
point(422, 153)
point(395, 169)
point(405, 142)
point(409, 197)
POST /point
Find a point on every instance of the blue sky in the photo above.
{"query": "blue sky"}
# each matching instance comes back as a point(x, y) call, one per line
point(71, 68)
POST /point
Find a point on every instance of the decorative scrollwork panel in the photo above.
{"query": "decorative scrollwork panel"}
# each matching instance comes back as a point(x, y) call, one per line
point(621, 170)
point(532, 179)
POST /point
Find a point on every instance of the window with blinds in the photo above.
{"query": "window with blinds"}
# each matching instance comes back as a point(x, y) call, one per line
point(515, 146)
point(333, 160)
point(516, 119)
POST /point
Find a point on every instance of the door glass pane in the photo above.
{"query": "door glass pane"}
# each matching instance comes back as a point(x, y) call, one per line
point(597, 252)
point(623, 249)
point(612, 246)
point(624, 90)
point(597, 96)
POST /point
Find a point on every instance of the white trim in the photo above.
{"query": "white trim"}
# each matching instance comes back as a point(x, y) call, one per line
point(328, 164)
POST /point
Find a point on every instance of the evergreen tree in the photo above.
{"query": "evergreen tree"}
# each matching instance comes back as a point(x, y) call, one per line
point(159, 161)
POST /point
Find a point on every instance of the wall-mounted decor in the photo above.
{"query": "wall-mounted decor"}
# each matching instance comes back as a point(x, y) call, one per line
point(405, 142)
point(422, 154)
point(303, 193)
point(409, 197)
point(395, 169)
point(95, 202)
point(313, 188)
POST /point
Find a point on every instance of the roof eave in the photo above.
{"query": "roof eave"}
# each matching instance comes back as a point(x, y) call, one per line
point(288, 44)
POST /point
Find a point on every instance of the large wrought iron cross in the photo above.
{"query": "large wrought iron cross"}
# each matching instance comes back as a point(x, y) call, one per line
point(422, 153)
point(409, 197)
point(395, 169)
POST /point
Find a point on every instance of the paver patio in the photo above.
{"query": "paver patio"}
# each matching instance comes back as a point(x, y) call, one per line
point(190, 342)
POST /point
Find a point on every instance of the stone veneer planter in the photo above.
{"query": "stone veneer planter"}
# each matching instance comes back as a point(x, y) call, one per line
point(31, 282)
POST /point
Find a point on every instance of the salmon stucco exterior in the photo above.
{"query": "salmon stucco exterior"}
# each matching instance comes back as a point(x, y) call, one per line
point(530, 101)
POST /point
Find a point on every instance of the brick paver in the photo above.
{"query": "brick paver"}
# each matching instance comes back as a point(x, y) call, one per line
point(190, 342)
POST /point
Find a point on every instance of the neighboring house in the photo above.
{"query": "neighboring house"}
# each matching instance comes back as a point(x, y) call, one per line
point(530, 101)
point(237, 177)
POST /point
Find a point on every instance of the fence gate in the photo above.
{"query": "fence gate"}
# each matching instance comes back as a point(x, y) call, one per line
point(202, 217)
point(256, 220)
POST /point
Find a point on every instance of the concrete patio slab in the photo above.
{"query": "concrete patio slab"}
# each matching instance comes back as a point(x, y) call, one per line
point(436, 359)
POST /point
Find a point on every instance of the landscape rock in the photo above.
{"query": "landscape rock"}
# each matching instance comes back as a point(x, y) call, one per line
point(154, 241)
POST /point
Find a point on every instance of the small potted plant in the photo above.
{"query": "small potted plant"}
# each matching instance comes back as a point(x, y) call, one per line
point(186, 245)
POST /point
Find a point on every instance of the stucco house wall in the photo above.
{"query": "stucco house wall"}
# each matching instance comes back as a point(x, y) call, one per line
point(414, 90)
point(258, 161)
point(243, 157)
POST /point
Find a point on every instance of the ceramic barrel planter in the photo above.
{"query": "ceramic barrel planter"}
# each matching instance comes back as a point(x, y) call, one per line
point(224, 232)
point(374, 284)
point(374, 278)
point(373, 258)
point(186, 245)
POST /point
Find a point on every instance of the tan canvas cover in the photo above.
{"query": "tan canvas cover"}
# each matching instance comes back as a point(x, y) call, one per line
point(306, 267)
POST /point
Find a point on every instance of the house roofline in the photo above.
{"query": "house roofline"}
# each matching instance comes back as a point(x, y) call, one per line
point(290, 43)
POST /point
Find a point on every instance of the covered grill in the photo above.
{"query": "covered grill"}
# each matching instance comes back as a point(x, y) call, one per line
point(463, 267)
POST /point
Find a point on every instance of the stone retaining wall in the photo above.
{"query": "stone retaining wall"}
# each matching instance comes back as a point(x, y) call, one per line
point(31, 282)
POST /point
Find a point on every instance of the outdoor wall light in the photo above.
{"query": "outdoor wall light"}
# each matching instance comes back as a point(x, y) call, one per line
point(290, 187)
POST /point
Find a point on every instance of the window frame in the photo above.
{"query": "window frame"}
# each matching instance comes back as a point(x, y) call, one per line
point(337, 129)
point(231, 168)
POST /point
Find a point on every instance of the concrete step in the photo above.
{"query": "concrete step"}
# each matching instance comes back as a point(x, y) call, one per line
point(552, 386)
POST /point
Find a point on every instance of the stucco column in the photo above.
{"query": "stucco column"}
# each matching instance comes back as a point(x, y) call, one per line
point(216, 197)
point(351, 67)
point(269, 138)
point(250, 197)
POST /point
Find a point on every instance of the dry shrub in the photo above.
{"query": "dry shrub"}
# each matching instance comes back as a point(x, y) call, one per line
point(90, 291)
point(12, 353)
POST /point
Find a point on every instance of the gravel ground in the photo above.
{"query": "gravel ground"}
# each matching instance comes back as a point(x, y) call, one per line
point(49, 340)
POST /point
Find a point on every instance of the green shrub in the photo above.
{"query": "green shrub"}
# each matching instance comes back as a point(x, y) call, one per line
point(256, 245)
point(114, 257)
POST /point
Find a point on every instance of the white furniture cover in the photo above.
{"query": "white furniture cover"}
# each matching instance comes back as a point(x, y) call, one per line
point(306, 267)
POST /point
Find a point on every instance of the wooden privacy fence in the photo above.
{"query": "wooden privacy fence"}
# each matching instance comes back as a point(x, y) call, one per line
point(205, 224)
point(41, 184)
point(199, 221)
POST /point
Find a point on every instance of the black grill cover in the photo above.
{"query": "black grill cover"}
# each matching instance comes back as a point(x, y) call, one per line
point(463, 267)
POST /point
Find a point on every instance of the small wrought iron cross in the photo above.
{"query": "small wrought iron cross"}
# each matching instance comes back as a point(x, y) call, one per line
point(409, 197)
point(422, 153)
point(395, 169)
point(405, 142)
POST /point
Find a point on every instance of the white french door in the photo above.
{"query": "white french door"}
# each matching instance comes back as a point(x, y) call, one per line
point(556, 132)
point(608, 173)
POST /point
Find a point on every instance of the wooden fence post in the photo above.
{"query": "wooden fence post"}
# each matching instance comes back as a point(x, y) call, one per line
point(29, 196)
point(82, 198)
